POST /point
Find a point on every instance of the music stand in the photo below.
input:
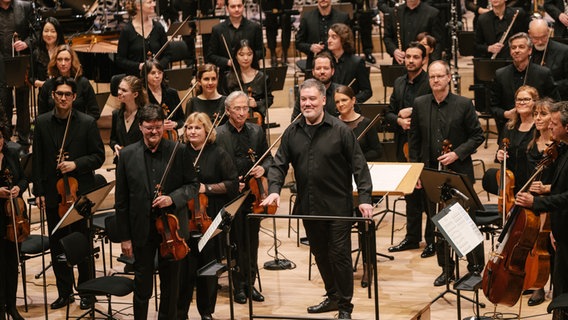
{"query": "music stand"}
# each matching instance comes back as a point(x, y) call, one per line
point(179, 79)
point(185, 29)
point(445, 186)
point(346, 7)
point(16, 67)
point(484, 69)
point(389, 73)
point(277, 77)
point(205, 25)
point(222, 223)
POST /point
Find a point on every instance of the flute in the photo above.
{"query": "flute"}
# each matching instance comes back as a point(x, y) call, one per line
point(506, 33)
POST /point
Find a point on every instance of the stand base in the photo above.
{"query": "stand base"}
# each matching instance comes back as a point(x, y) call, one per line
point(477, 318)
point(278, 264)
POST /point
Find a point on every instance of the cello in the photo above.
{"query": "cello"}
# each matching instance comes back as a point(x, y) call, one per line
point(506, 184)
point(504, 274)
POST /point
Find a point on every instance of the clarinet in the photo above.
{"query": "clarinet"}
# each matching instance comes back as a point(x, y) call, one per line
point(397, 21)
point(454, 25)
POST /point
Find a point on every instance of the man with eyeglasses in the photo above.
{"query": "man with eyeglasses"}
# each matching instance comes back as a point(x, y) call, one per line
point(142, 195)
point(245, 142)
point(77, 136)
point(436, 117)
point(521, 72)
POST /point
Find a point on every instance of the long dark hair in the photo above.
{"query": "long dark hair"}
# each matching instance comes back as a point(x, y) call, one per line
point(232, 80)
point(43, 55)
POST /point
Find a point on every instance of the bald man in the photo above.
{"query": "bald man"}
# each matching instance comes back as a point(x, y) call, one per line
point(550, 53)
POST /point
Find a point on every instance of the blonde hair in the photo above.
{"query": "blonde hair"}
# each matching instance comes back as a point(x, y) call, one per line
point(203, 118)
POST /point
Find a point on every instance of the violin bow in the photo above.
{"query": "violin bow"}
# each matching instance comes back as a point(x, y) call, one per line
point(367, 128)
point(205, 142)
point(232, 62)
point(181, 101)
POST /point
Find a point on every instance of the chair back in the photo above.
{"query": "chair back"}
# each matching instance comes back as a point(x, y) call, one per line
point(76, 248)
point(489, 181)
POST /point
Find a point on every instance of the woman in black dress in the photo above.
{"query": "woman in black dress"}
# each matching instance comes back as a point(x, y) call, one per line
point(218, 181)
point(9, 160)
point(208, 99)
point(66, 63)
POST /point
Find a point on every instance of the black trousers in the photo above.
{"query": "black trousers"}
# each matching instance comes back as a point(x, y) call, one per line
point(415, 206)
point(9, 274)
point(206, 287)
point(248, 265)
point(22, 111)
point(330, 242)
point(144, 266)
point(64, 273)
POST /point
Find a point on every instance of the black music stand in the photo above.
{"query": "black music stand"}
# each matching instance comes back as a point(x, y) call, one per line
point(389, 73)
point(185, 28)
point(222, 223)
point(277, 77)
point(449, 188)
point(484, 69)
point(16, 67)
point(205, 25)
point(179, 79)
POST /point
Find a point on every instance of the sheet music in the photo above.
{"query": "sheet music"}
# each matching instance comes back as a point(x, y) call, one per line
point(210, 233)
point(458, 228)
point(386, 177)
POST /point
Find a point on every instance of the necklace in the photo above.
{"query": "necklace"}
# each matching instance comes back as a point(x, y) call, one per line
point(129, 118)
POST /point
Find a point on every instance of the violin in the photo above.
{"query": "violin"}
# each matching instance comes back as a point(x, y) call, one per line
point(506, 183)
point(200, 220)
point(254, 116)
point(446, 148)
point(18, 226)
point(67, 186)
point(259, 188)
point(172, 247)
point(169, 134)
point(504, 274)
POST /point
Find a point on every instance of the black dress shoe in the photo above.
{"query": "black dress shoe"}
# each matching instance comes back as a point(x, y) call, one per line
point(344, 315)
point(61, 302)
point(429, 251)
point(206, 317)
point(536, 298)
point(240, 296)
point(324, 306)
point(13, 313)
point(370, 59)
point(442, 280)
point(87, 303)
point(405, 244)
point(256, 296)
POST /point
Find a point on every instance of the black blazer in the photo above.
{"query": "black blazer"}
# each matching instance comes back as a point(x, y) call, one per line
point(554, 8)
point(83, 145)
point(22, 19)
point(309, 31)
point(134, 195)
point(556, 59)
point(119, 135)
point(85, 102)
point(462, 129)
point(486, 35)
point(18, 179)
point(351, 67)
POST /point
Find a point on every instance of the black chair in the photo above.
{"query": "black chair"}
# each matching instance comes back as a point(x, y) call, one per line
point(389, 73)
point(178, 51)
point(114, 82)
point(489, 220)
point(561, 303)
point(77, 249)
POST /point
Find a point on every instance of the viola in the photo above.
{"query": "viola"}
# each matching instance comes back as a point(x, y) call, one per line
point(506, 184)
point(254, 116)
point(259, 188)
point(18, 224)
point(172, 247)
point(504, 274)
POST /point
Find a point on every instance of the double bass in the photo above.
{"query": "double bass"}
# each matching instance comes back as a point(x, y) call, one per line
point(504, 274)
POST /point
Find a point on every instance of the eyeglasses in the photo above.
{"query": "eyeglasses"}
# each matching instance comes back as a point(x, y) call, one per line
point(152, 128)
point(237, 109)
point(523, 100)
point(60, 94)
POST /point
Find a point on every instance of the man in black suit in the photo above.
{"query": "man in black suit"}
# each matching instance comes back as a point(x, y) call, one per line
point(244, 142)
point(557, 10)
point(311, 37)
point(15, 17)
point(406, 88)
point(557, 201)
point(435, 117)
point(550, 53)
point(233, 29)
point(521, 72)
point(83, 154)
point(139, 203)
point(278, 11)
point(412, 18)
point(493, 24)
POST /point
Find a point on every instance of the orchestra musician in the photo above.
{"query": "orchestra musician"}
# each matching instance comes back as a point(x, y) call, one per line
point(51, 38)
point(125, 130)
point(550, 53)
point(429, 42)
point(312, 35)
point(208, 99)
point(218, 181)
point(406, 88)
point(9, 160)
point(493, 25)
point(65, 63)
point(82, 152)
point(407, 21)
point(363, 16)
point(435, 117)
point(234, 29)
point(243, 141)
point(163, 95)
point(15, 16)
point(139, 36)
point(323, 69)
point(278, 11)
point(521, 72)
point(250, 78)
point(555, 202)
point(557, 9)
point(140, 170)
point(323, 169)
point(348, 65)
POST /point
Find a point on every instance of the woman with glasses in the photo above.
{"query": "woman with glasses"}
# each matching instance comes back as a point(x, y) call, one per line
point(520, 131)
point(125, 129)
point(208, 99)
point(65, 63)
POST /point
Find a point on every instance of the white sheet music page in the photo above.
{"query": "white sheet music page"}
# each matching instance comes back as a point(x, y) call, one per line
point(458, 227)
point(386, 177)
